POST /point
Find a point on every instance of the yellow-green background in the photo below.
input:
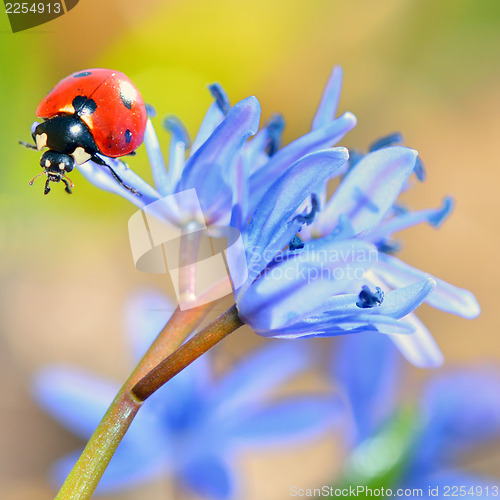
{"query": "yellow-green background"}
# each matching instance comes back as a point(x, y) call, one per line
point(427, 68)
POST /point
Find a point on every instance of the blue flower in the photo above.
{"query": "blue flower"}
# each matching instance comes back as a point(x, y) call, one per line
point(219, 160)
point(306, 290)
point(458, 410)
point(195, 426)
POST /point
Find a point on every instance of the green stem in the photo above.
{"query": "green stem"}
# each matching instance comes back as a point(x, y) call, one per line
point(85, 475)
point(220, 328)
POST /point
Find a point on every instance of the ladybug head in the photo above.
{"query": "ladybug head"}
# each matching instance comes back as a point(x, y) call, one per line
point(56, 166)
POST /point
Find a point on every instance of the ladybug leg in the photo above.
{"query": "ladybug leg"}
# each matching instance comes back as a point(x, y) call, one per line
point(28, 145)
point(133, 153)
point(47, 187)
point(99, 161)
point(118, 178)
point(69, 184)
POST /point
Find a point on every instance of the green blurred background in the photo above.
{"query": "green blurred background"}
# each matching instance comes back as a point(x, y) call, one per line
point(429, 69)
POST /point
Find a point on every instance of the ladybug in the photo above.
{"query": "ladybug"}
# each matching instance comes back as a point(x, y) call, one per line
point(89, 113)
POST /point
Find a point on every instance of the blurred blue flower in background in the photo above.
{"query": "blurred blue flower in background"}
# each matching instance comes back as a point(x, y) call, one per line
point(458, 409)
point(193, 427)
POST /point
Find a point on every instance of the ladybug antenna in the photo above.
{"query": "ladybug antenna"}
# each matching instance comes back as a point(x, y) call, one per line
point(36, 177)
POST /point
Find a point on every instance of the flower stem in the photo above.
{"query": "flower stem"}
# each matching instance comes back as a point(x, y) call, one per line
point(85, 475)
point(220, 328)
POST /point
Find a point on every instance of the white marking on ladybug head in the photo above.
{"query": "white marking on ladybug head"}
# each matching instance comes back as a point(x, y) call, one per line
point(61, 166)
point(41, 141)
point(80, 155)
point(47, 163)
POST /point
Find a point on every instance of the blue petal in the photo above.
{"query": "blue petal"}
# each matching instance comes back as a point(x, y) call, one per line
point(286, 423)
point(369, 190)
point(403, 301)
point(366, 367)
point(301, 283)
point(224, 143)
point(210, 476)
point(419, 348)
point(322, 326)
point(162, 179)
point(213, 117)
point(147, 313)
point(239, 214)
point(396, 303)
point(179, 142)
point(101, 177)
point(249, 382)
point(270, 230)
point(76, 399)
point(329, 101)
point(434, 217)
point(445, 297)
point(208, 170)
point(314, 141)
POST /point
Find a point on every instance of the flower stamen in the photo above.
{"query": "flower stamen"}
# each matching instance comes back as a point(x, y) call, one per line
point(369, 299)
point(309, 218)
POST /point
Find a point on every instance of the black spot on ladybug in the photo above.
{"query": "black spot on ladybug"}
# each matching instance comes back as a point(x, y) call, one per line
point(126, 101)
point(82, 74)
point(84, 106)
point(128, 136)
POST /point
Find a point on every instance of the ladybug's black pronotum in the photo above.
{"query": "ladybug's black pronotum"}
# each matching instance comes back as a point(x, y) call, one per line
point(89, 113)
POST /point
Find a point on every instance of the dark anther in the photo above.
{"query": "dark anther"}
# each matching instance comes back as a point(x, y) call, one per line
point(437, 219)
point(150, 110)
point(386, 141)
point(308, 218)
point(388, 246)
point(368, 299)
point(419, 170)
point(173, 125)
point(295, 244)
point(274, 129)
point(220, 97)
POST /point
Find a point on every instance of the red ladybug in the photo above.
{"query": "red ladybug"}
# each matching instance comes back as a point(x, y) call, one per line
point(91, 112)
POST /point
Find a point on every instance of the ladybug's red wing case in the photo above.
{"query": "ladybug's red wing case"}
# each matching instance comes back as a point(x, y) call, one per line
point(60, 99)
point(119, 122)
point(107, 102)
